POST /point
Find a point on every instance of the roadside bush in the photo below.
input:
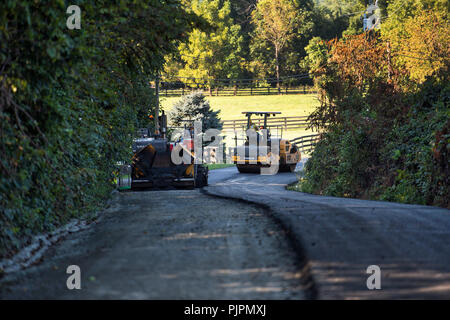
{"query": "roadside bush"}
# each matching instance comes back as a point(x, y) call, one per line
point(417, 152)
point(339, 164)
point(385, 121)
point(70, 101)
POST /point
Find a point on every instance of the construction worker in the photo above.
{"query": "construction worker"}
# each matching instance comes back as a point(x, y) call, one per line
point(254, 126)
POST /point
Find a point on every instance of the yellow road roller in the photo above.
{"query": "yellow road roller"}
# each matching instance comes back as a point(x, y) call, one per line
point(260, 149)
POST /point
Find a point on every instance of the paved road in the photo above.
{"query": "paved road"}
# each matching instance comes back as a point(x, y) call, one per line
point(342, 237)
point(189, 245)
point(175, 244)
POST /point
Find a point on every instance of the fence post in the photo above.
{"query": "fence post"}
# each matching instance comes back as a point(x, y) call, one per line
point(182, 91)
point(304, 89)
point(251, 91)
point(268, 90)
point(285, 123)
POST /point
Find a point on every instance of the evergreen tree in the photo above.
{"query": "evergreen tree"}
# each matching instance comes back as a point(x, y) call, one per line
point(195, 107)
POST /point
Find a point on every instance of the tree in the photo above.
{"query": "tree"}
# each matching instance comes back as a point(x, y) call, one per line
point(316, 60)
point(417, 31)
point(332, 17)
point(216, 54)
point(384, 109)
point(195, 107)
point(277, 22)
point(69, 103)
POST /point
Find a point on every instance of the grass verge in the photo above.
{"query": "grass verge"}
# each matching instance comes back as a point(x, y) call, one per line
point(213, 166)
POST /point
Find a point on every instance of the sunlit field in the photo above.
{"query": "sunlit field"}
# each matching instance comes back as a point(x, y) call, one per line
point(231, 107)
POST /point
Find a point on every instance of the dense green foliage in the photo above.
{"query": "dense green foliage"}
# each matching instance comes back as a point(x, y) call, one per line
point(279, 25)
point(214, 54)
point(253, 39)
point(70, 101)
point(385, 111)
point(406, 161)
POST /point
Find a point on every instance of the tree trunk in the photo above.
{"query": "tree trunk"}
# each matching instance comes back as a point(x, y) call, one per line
point(277, 68)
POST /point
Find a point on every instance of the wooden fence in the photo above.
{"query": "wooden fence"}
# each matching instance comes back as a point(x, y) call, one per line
point(237, 91)
point(284, 123)
point(306, 143)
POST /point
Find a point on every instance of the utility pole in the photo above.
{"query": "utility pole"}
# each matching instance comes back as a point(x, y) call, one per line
point(157, 105)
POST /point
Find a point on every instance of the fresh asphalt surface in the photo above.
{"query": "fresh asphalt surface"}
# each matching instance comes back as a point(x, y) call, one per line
point(275, 244)
point(342, 237)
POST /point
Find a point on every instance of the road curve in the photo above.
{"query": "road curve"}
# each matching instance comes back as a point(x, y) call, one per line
point(341, 237)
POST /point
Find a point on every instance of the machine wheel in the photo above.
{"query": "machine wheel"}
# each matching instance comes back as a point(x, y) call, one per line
point(288, 167)
point(201, 177)
point(242, 168)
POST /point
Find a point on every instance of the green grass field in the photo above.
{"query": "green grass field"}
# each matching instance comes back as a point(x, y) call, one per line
point(231, 108)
